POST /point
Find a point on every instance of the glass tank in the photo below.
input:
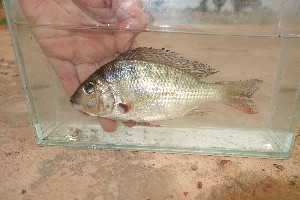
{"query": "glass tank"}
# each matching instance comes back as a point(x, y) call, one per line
point(58, 45)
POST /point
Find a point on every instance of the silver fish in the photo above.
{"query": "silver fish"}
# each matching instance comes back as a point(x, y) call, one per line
point(147, 84)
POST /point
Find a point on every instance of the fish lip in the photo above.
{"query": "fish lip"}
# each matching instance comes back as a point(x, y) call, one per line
point(73, 101)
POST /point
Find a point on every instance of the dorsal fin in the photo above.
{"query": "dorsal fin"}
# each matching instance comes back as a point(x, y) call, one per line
point(171, 59)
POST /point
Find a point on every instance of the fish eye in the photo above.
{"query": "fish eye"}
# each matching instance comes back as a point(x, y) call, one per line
point(89, 88)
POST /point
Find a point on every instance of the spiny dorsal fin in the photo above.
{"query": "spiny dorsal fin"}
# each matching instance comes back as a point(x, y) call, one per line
point(171, 59)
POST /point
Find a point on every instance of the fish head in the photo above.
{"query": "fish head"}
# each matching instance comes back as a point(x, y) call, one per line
point(94, 97)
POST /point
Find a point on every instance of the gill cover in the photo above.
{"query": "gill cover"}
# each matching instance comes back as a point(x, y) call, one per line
point(94, 97)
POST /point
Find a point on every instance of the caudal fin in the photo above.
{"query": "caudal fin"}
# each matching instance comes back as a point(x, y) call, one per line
point(236, 92)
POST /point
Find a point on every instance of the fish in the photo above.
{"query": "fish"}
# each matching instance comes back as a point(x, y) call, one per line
point(147, 84)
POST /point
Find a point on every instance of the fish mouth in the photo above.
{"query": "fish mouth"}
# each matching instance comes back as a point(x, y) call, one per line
point(75, 104)
point(73, 101)
point(84, 109)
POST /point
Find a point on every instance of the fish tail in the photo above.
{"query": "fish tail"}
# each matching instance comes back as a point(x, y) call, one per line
point(235, 94)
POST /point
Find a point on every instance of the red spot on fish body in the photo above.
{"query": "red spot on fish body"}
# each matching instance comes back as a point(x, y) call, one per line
point(125, 108)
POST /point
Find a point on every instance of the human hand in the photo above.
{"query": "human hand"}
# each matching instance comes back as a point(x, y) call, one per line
point(74, 53)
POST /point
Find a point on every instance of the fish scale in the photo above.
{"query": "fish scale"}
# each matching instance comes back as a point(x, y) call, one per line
point(160, 86)
point(147, 84)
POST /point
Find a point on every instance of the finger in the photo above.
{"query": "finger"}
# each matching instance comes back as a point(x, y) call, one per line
point(128, 9)
point(108, 125)
point(134, 44)
point(129, 124)
point(85, 70)
point(124, 39)
point(100, 11)
point(130, 15)
point(66, 73)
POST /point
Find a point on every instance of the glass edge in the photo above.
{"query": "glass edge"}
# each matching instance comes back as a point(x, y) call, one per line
point(159, 29)
point(20, 62)
point(168, 150)
point(294, 123)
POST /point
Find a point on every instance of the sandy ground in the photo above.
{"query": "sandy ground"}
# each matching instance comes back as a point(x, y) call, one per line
point(31, 172)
